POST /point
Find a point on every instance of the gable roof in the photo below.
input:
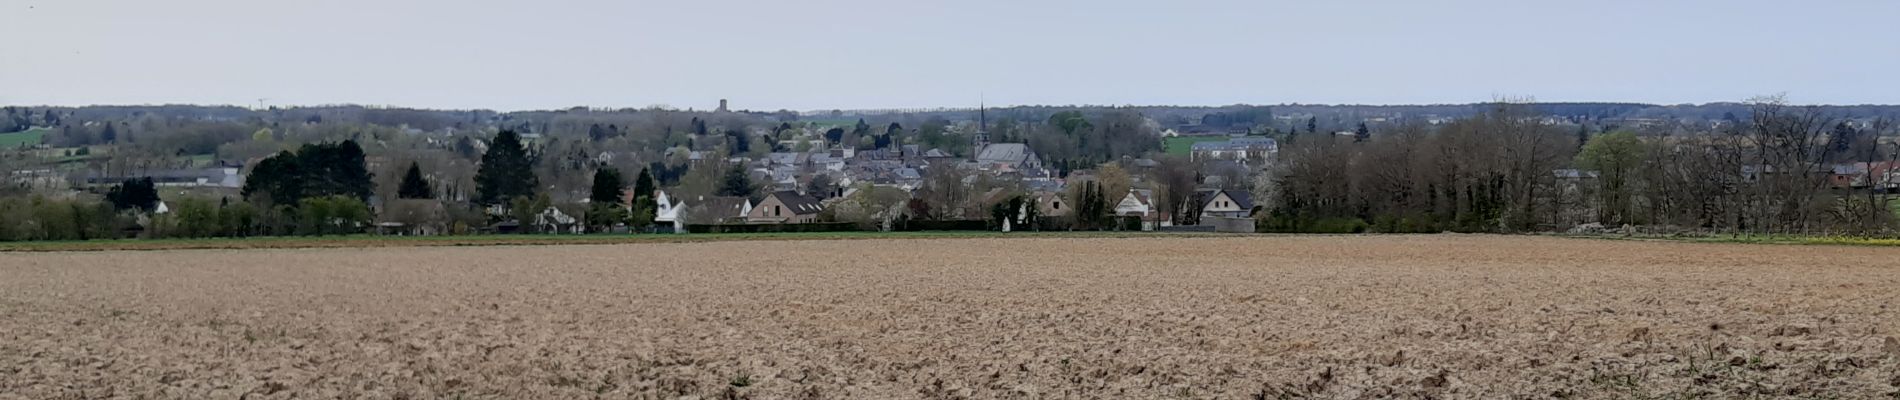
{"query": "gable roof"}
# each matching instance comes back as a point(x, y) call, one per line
point(727, 206)
point(788, 158)
point(1009, 153)
point(1242, 200)
point(907, 173)
point(1143, 196)
point(798, 204)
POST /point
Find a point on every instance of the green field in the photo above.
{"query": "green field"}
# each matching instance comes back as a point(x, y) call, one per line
point(1181, 145)
point(26, 137)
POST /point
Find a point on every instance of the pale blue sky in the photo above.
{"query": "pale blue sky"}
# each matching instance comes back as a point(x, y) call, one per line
point(806, 55)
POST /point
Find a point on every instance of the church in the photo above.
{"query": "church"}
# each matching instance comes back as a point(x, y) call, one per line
point(1000, 157)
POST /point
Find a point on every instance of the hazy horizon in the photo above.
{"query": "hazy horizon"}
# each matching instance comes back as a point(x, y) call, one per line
point(872, 55)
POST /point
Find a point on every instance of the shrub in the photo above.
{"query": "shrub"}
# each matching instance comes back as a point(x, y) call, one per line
point(944, 225)
point(331, 215)
point(1296, 224)
point(1404, 224)
point(772, 228)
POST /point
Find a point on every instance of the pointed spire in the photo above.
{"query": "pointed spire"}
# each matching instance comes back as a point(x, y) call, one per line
point(982, 138)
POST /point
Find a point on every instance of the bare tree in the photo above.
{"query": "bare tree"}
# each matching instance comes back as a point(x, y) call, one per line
point(946, 190)
point(1792, 151)
point(1175, 178)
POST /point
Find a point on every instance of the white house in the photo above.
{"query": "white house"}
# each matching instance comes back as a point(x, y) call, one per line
point(1245, 150)
point(553, 220)
point(1140, 203)
point(1227, 204)
point(665, 211)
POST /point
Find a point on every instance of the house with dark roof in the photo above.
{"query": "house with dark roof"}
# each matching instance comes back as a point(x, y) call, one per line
point(800, 161)
point(1226, 204)
point(785, 207)
point(1007, 157)
point(712, 209)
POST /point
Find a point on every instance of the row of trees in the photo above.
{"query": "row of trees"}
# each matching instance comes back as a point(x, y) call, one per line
point(197, 217)
point(82, 218)
point(1509, 170)
point(315, 170)
point(1783, 169)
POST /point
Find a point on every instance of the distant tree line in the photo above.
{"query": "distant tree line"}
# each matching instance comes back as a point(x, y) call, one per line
point(1509, 170)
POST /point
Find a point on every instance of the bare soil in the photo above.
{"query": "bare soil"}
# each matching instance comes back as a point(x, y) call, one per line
point(1441, 316)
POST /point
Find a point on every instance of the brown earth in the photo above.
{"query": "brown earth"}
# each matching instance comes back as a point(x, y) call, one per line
point(1445, 316)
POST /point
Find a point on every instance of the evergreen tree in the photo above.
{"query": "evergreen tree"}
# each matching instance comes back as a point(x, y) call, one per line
point(861, 129)
point(608, 186)
point(335, 169)
point(604, 209)
point(1088, 205)
point(1032, 215)
point(139, 194)
point(505, 172)
point(736, 183)
point(413, 185)
point(642, 211)
point(109, 134)
point(1843, 138)
point(892, 138)
point(1583, 135)
point(738, 142)
point(1083, 204)
point(643, 184)
point(277, 178)
point(465, 146)
point(315, 170)
point(596, 133)
point(1362, 134)
point(834, 136)
point(1312, 125)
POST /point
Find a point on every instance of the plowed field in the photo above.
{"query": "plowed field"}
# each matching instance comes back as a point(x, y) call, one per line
point(1441, 316)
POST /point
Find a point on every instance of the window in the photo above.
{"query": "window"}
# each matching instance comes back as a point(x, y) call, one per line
point(777, 211)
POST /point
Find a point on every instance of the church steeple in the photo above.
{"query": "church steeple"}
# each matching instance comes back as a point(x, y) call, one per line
point(982, 138)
